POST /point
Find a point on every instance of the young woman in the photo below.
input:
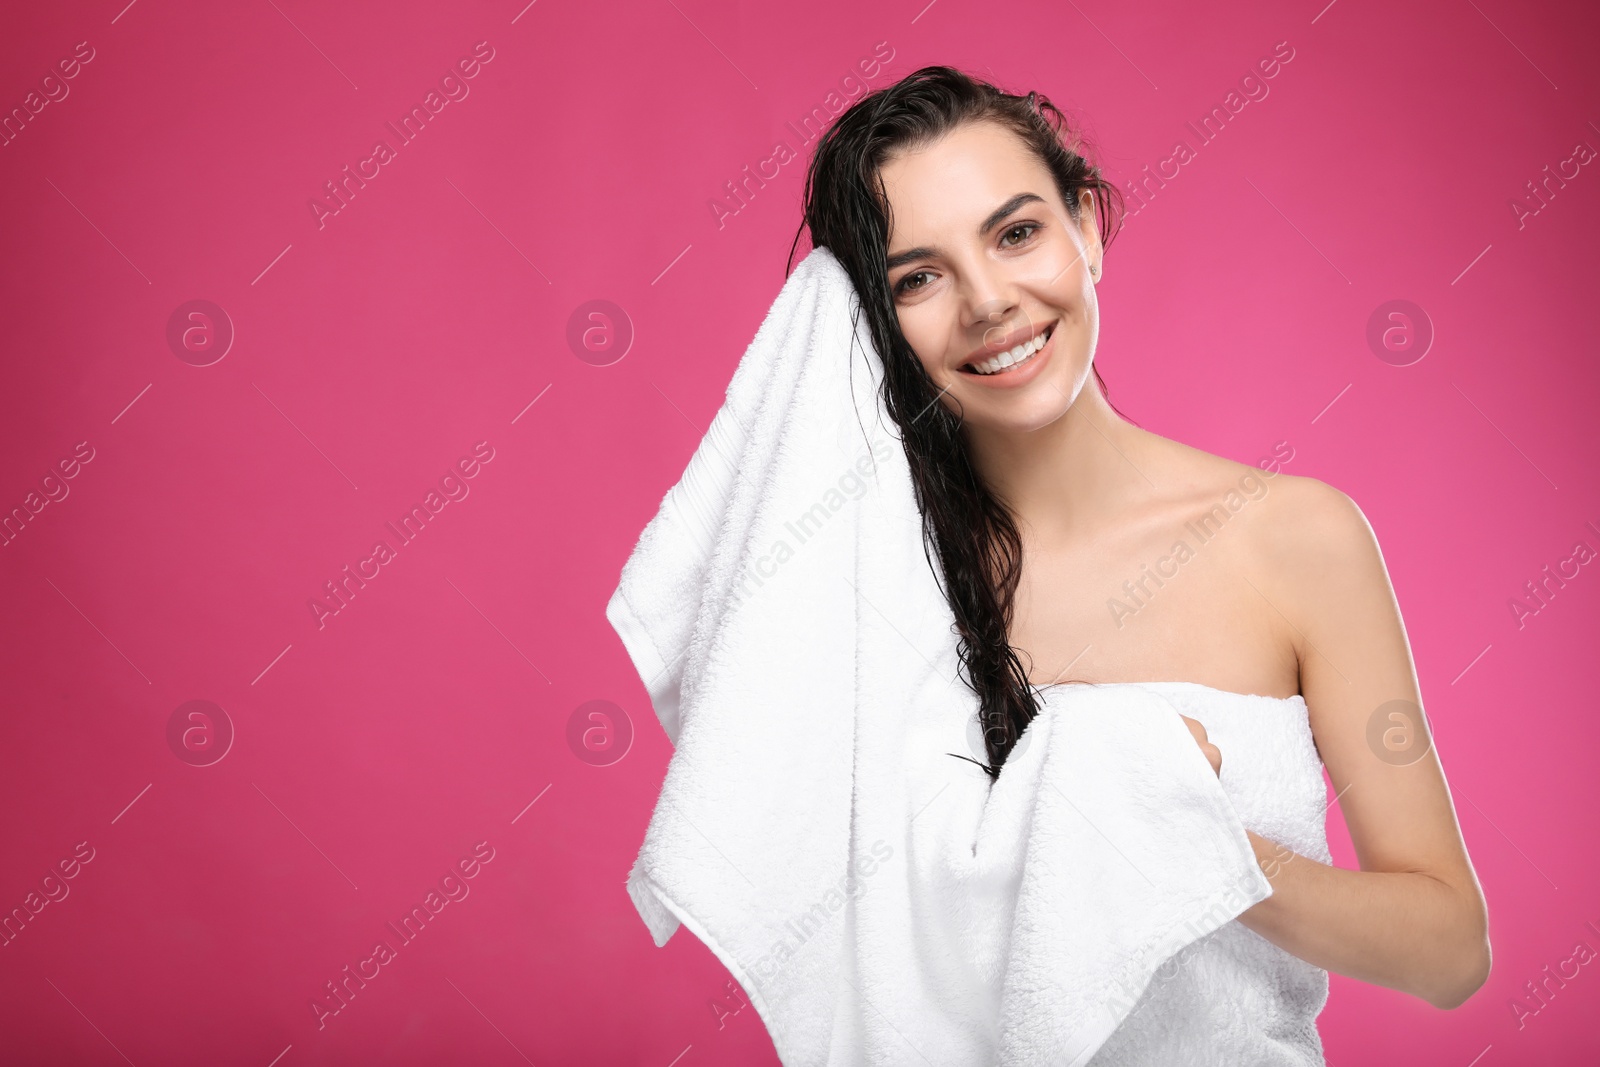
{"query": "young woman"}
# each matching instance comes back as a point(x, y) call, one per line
point(975, 233)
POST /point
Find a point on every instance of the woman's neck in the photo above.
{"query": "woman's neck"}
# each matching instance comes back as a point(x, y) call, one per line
point(1073, 477)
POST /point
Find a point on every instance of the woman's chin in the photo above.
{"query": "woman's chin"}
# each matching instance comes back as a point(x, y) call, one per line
point(1019, 416)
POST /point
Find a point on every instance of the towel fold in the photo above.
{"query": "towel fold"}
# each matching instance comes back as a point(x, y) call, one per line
point(791, 634)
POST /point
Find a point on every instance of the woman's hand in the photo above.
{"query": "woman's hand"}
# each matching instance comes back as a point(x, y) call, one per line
point(1212, 752)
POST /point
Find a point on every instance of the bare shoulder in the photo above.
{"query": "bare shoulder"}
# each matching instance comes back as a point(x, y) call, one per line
point(1289, 524)
point(1317, 560)
point(1306, 521)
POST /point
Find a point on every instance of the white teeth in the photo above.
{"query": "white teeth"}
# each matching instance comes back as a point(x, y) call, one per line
point(1013, 356)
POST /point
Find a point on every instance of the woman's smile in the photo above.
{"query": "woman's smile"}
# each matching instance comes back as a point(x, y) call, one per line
point(1014, 366)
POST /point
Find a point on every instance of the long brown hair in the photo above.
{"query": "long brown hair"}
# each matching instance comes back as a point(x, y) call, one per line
point(845, 209)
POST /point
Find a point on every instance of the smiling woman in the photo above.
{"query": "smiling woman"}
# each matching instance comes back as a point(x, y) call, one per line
point(974, 230)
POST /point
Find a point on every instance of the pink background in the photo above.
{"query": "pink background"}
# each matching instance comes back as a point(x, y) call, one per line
point(433, 711)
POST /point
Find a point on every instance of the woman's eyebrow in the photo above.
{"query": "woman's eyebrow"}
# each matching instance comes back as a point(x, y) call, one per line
point(900, 259)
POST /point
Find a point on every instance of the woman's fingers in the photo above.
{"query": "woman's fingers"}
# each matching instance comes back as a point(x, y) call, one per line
point(1213, 754)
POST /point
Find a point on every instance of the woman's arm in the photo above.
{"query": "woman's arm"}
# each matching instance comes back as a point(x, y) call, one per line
point(1413, 917)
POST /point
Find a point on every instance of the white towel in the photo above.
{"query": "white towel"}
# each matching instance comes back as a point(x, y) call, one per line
point(791, 634)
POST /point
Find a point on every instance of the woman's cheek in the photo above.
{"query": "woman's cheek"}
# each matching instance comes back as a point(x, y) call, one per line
point(929, 349)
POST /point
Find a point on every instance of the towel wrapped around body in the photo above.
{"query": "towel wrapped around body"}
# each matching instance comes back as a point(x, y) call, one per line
point(880, 902)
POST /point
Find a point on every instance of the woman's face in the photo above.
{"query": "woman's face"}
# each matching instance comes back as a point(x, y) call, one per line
point(983, 256)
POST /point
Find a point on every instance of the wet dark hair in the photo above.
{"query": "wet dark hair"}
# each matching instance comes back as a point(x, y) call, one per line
point(846, 210)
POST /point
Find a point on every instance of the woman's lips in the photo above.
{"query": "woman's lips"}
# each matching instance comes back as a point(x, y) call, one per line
point(1018, 373)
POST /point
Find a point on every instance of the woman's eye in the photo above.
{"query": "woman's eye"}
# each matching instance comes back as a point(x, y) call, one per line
point(1022, 231)
point(905, 285)
point(1026, 228)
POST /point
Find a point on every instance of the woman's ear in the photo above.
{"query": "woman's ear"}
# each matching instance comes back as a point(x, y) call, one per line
point(1089, 227)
